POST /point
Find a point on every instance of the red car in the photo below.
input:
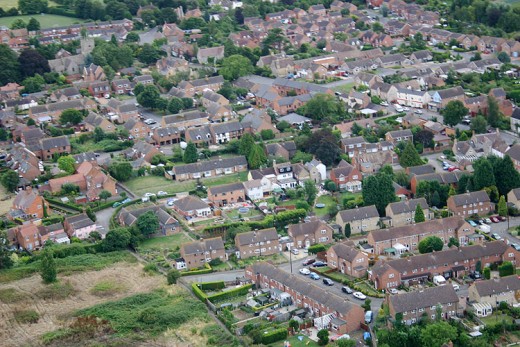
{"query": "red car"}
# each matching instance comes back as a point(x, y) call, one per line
point(494, 219)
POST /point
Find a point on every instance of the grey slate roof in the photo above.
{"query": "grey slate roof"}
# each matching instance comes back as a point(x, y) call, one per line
point(253, 237)
point(54, 142)
point(359, 213)
point(421, 169)
point(306, 228)
point(190, 203)
point(210, 165)
point(346, 252)
point(424, 298)
point(497, 286)
point(408, 206)
point(79, 221)
point(224, 188)
point(202, 246)
point(470, 198)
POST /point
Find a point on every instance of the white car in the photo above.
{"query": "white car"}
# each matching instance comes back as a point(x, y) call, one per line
point(305, 271)
point(359, 295)
point(418, 111)
point(406, 109)
point(161, 193)
point(384, 103)
point(394, 291)
point(149, 194)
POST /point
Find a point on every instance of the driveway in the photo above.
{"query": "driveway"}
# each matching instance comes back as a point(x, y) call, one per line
point(103, 218)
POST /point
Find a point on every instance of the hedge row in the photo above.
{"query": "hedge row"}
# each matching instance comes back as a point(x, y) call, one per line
point(260, 308)
point(230, 293)
point(274, 336)
point(212, 285)
point(198, 292)
point(61, 12)
point(105, 205)
point(207, 270)
point(63, 204)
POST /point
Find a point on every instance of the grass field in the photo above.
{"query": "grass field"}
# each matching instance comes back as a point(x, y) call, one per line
point(46, 20)
point(153, 184)
point(345, 88)
point(306, 342)
point(165, 242)
point(328, 201)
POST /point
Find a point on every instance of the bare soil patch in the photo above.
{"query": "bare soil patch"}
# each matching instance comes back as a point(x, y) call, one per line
point(56, 305)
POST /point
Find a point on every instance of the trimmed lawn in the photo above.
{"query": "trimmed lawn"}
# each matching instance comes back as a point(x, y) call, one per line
point(494, 319)
point(152, 184)
point(295, 342)
point(163, 242)
point(216, 181)
point(328, 200)
point(345, 88)
point(46, 20)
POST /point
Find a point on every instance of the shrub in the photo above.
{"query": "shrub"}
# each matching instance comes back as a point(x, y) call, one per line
point(26, 316)
point(274, 336)
point(198, 292)
point(212, 285)
point(172, 276)
point(56, 291)
point(230, 293)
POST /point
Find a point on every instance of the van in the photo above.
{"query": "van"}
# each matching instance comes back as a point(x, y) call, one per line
point(398, 108)
point(439, 280)
point(456, 287)
point(369, 315)
point(484, 228)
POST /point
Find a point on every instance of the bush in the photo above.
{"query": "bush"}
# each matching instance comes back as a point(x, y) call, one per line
point(274, 336)
point(172, 276)
point(198, 292)
point(26, 316)
point(230, 293)
point(212, 285)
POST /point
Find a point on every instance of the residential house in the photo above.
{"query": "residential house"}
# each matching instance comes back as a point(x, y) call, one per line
point(210, 168)
point(471, 203)
point(403, 212)
point(515, 121)
point(196, 254)
point(213, 53)
point(399, 135)
point(257, 243)
point(90, 179)
point(360, 219)
point(24, 162)
point(406, 238)
point(93, 73)
point(99, 89)
point(227, 194)
point(353, 145)
point(167, 224)
point(258, 120)
point(79, 226)
point(285, 150)
point(421, 56)
point(122, 86)
point(454, 262)
point(346, 177)
point(141, 151)
point(441, 97)
point(429, 302)
point(93, 121)
point(295, 120)
point(412, 98)
point(186, 119)
point(224, 132)
point(26, 237)
point(347, 260)
point(200, 136)
point(166, 135)
point(513, 197)
point(317, 170)
point(31, 137)
point(254, 189)
point(192, 206)
point(137, 128)
point(444, 178)
point(65, 94)
point(330, 311)
point(199, 86)
point(143, 79)
point(494, 291)
point(28, 204)
point(367, 79)
point(53, 145)
point(54, 232)
point(514, 154)
point(307, 234)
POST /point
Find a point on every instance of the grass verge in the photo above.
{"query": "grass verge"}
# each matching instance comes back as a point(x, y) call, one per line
point(10, 295)
point(46, 20)
point(26, 316)
point(107, 288)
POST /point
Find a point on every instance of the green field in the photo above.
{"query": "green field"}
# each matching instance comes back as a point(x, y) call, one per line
point(169, 242)
point(328, 201)
point(152, 184)
point(296, 343)
point(46, 20)
point(345, 88)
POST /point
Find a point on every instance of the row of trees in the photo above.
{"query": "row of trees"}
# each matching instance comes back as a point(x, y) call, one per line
point(16, 68)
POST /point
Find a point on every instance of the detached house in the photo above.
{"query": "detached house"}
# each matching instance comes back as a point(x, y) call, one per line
point(307, 234)
point(441, 97)
point(471, 203)
point(192, 206)
point(257, 243)
point(346, 177)
point(167, 224)
point(494, 291)
point(361, 219)
point(347, 260)
point(53, 145)
point(196, 254)
point(399, 136)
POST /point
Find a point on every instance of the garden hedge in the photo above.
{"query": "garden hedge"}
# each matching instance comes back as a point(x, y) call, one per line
point(212, 285)
point(198, 292)
point(197, 272)
point(62, 204)
point(274, 336)
point(230, 293)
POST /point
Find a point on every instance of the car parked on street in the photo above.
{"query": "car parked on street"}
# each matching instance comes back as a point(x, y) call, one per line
point(472, 223)
point(494, 219)
point(305, 271)
point(487, 221)
point(328, 282)
point(308, 261)
point(496, 236)
point(346, 290)
point(394, 291)
point(319, 264)
point(314, 276)
point(359, 295)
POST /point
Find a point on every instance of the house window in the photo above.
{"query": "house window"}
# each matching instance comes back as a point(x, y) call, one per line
point(391, 276)
point(421, 310)
point(433, 316)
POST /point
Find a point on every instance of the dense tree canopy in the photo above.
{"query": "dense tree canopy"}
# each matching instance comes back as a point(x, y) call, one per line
point(71, 116)
point(235, 66)
point(324, 145)
point(190, 154)
point(121, 171)
point(483, 175)
point(378, 190)
point(323, 107)
point(148, 223)
point(10, 71)
point(10, 180)
point(32, 6)
point(454, 112)
point(67, 164)
point(32, 62)
point(430, 244)
point(409, 156)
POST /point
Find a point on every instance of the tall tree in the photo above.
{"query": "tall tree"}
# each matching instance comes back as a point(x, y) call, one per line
point(48, 270)
point(324, 145)
point(121, 171)
point(348, 230)
point(310, 191)
point(116, 239)
point(148, 54)
point(71, 116)
point(493, 112)
point(5, 254)
point(10, 71)
point(323, 107)
point(378, 190)
point(257, 157)
point(483, 175)
point(430, 244)
point(275, 40)
point(502, 206)
point(409, 156)
point(33, 6)
point(33, 25)
point(190, 154)
point(105, 194)
point(175, 105)
point(67, 163)
point(235, 66)
point(479, 124)
point(148, 223)
point(454, 112)
point(148, 97)
point(246, 144)
point(32, 62)
point(437, 334)
point(419, 214)
point(506, 176)
point(10, 180)
point(424, 137)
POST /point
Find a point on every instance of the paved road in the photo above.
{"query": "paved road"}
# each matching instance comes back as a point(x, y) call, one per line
point(502, 227)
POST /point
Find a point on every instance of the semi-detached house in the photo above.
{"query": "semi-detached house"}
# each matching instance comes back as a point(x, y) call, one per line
point(307, 234)
point(257, 243)
point(210, 168)
point(471, 203)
